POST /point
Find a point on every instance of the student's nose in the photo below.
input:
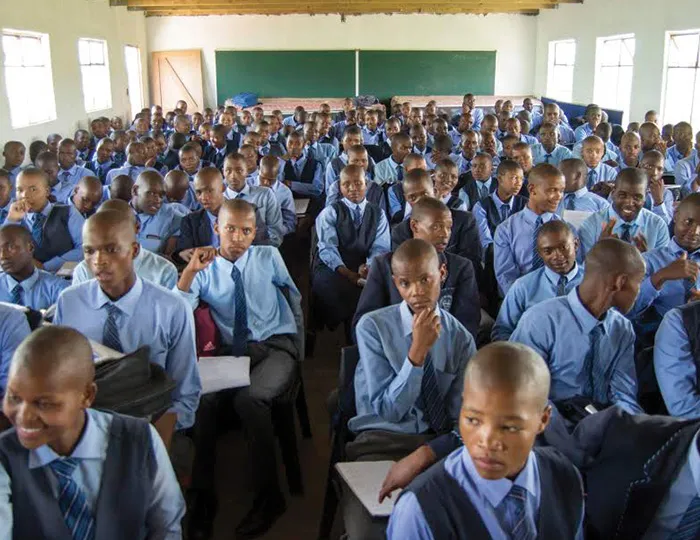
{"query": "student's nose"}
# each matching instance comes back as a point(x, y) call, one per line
point(489, 437)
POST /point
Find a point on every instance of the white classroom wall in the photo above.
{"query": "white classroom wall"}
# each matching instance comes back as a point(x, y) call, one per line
point(648, 20)
point(66, 21)
point(512, 36)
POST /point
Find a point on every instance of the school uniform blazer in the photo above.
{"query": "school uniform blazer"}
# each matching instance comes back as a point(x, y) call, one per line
point(459, 294)
point(464, 240)
point(195, 231)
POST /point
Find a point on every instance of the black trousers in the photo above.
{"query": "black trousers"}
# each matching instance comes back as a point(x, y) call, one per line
point(272, 372)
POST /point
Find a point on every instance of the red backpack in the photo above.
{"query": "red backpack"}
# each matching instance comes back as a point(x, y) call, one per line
point(206, 333)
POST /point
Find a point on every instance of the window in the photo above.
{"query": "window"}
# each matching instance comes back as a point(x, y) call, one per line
point(132, 57)
point(560, 76)
point(682, 83)
point(97, 90)
point(615, 64)
point(28, 79)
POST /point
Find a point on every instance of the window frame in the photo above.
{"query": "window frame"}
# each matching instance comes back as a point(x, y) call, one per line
point(552, 65)
point(601, 64)
point(694, 113)
point(89, 72)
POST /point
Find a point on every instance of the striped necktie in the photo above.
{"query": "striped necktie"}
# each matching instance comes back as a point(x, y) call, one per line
point(110, 333)
point(16, 295)
point(571, 201)
point(357, 216)
point(505, 211)
point(72, 501)
point(592, 177)
point(399, 173)
point(433, 402)
point(561, 285)
point(595, 387)
point(38, 228)
point(537, 261)
point(626, 233)
point(65, 177)
point(516, 520)
point(240, 318)
point(690, 522)
point(482, 189)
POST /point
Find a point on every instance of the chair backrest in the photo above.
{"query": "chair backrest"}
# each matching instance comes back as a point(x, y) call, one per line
point(349, 358)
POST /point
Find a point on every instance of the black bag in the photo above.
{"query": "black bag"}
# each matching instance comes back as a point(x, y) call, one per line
point(134, 386)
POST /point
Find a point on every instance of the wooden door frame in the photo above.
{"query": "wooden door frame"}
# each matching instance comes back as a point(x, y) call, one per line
point(155, 86)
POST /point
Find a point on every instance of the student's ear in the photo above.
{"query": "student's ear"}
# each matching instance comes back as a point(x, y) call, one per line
point(544, 420)
point(89, 395)
point(216, 227)
point(134, 191)
point(443, 273)
point(577, 243)
point(619, 283)
point(135, 250)
point(413, 224)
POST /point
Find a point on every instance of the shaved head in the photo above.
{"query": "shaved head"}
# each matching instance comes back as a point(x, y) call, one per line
point(114, 220)
point(209, 174)
point(428, 206)
point(543, 173)
point(236, 206)
point(611, 256)
point(412, 251)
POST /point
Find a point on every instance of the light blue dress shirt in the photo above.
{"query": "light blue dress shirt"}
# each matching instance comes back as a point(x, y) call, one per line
point(583, 131)
point(684, 488)
point(323, 152)
point(267, 211)
point(147, 265)
point(387, 385)
point(559, 329)
point(559, 154)
point(179, 208)
point(464, 165)
point(512, 245)
point(39, 291)
point(371, 137)
point(150, 315)
point(13, 175)
point(566, 134)
point(67, 180)
point(285, 199)
point(166, 506)
point(611, 152)
point(189, 201)
point(312, 189)
point(685, 171)
point(328, 249)
point(330, 175)
point(675, 367)
point(386, 171)
point(408, 520)
point(5, 210)
point(672, 293)
point(584, 201)
point(157, 229)
point(75, 230)
point(665, 210)
point(482, 221)
point(464, 197)
point(430, 163)
point(527, 291)
point(603, 173)
point(13, 329)
point(131, 171)
point(649, 224)
point(673, 156)
point(462, 206)
point(264, 274)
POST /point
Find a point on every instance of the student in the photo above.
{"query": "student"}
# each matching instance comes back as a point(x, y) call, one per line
point(441, 149)
point(322, 152)
point(220, 146)
point(431, 221)
point(513, 128)
point(630, 151)
point(469, 101)
point(20, 281)
point(69, 172)
point(515, 239)
point(672, 270)
point(147, 265)
point(469, 148)
point(552, 116)
point(592, 152)
point(588, 345)
point(411, 189)
point(464, 240)
point(159, 223)
point(269, 172)
point(650, 136)
point(152, 158)
point(576, 194)
point(52, 141)
point(445, 178)
point(56, 228)
point(626, 218)
point(501, 202)
point(557, 246)
point(136, 163)
point(371, 134)
point(522, 155)
point(39, 146)
point(14, 328)
point(478, 182)
point(13, 153)
point(270, 227)
point(251, 157)
point(351, 233)
point(548, 150)
point(682, 145)
point(296, 121)
point(179, 192)
point(102, 161)
point(659, 199)
point(124, 312)
point(358, 155)
point(120, 143)
point(391, 170)
point(97, 465)
point(86, 196)
point(302, 173)
point(189, 160)
point(498, 484)
point(121, 188)
point(325, 135)
point(82, 146)
point(593, 117)
point(419, 138)
point(686, 170)
point(242, 286)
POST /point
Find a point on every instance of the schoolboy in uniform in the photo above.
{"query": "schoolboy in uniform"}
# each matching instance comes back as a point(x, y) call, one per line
point(592, 153)
point(6, 193)
point(358, 155)
point(302, 173)
point(391, 169)
point(269, 228)
point(441, 148)
point(324, 126)
point(513, 128)
point(220, 146)
point(515, 240)
point(69, 172)
point(147, 265)
point(650, 135)
point(445, 178)
point(551, 115)
point(250, 156)
point(13, 153)
point(20, 281)
point(497, 484)
point(121, 188)
point(557, 245)
point(469, 146)
point(686, 170)
point(371, 134)
point(37, 147)
point(351, 233)
point(548, 150)
point(136, 163)
point(102, 161)
point(179, 193)
point(576, 194)
point(82, 466)
point(124, 312)
point(52, 141)
point(682, 147)
point(87, 195)
point(478, 182)
point(588, 345)
point(322, 152)
point(419, 138)
point(593, 117)
point(522, 155)
point(268, 177)
point(502, 201)
point(431, 221)
point(159, 222)
point(13, 329)
point(189, 160)
point(630, 151)
point(242, 286)
point(56, 228)
point(659, 199)
point(626, 218)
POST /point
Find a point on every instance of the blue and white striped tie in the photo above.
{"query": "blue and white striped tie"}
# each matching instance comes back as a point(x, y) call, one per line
point(433, 402)
point(72, 501)
point(690, 523)
point(16, 295)
point(537, 261)
point(110, 334)
point(516, 522)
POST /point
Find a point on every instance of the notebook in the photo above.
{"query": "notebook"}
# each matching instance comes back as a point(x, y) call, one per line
point(223, 372)
point(365, 479)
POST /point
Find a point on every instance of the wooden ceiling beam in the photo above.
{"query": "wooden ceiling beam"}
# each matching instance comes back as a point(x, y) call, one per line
point(196, 5)
point(336, 9)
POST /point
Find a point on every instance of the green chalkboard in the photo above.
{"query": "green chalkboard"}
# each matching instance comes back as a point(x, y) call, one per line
point(285, 73)
point(423, 73)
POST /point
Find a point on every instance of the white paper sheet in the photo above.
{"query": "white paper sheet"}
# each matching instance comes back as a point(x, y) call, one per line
point(301, 206)
point(576, 217)
point(100, 352)
point(66, 270)
point(365, 480)
point(222, 372)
